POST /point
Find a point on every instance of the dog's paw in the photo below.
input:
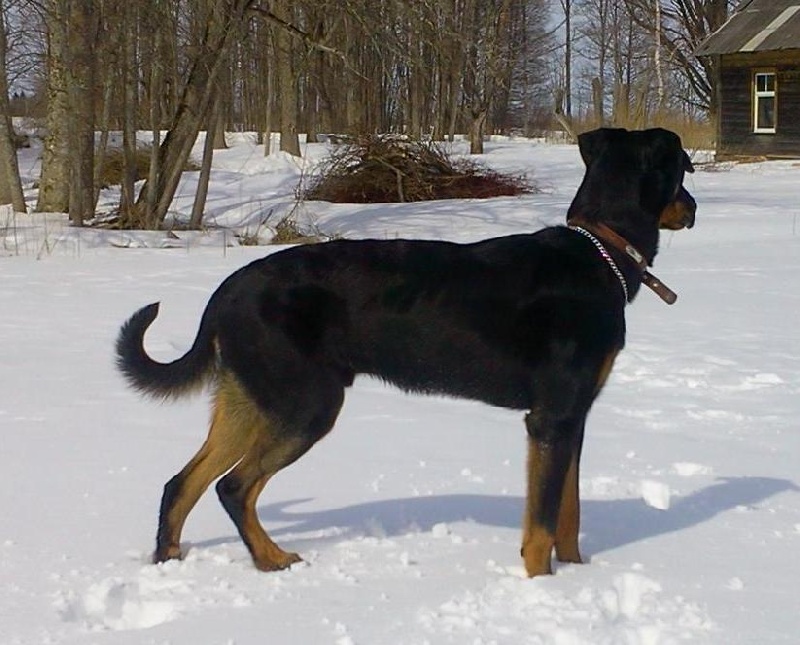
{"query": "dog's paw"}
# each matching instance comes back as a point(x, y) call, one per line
point(280, 563)
point(165, 554)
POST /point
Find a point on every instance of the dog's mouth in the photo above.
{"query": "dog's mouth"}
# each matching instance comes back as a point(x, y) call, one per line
point(680, 213)
point(676, 217)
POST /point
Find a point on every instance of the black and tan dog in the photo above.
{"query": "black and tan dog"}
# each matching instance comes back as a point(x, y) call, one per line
point(529, 322)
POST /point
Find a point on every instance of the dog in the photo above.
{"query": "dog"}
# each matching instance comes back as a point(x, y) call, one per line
point(531, 322)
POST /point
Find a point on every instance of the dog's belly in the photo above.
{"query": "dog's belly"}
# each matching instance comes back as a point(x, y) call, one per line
point(451, 362)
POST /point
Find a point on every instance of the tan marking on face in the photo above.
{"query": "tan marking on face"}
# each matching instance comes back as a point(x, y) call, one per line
point(675, 216)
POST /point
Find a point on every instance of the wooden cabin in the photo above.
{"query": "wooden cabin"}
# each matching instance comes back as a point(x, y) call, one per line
point(757, 55)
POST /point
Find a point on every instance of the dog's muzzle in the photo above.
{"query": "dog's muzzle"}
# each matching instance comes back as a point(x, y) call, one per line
point(679, 213)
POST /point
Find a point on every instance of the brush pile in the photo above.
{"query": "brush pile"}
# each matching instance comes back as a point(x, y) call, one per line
point(381, 169)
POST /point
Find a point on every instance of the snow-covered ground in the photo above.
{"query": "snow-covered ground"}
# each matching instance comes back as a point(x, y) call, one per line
point(409, 513)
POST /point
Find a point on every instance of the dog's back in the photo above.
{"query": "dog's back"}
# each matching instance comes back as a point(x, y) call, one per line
point(434, 317)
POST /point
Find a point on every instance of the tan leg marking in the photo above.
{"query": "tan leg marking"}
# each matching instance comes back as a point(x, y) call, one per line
point(231, 433)
point(267, 555)
point(537, 542)
point(605, 371)
point(267, 456)
point(569, 517)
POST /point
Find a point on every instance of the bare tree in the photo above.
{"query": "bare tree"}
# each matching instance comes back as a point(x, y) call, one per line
point(526, 102)
point(287, 81)
point(225, 22)
point(81, 36)
point(198, 207)
point(680, 26)
point(450, 64)
point(128, 73)
point(10, 184)
point(54, 181)
point(619, 61)
point(596, 28)
point(432, 67)
point(491, 56)
point(566, 7)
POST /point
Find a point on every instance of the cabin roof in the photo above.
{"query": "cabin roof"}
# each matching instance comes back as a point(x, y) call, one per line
point(757, 26)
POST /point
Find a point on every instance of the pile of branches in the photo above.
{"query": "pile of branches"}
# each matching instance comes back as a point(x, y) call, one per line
point(381, 169)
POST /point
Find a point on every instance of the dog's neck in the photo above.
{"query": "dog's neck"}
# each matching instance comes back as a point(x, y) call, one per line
point(628, 263)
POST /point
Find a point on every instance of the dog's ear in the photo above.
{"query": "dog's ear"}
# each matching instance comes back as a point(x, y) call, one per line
point(591, 144)
point(687, 163)
point(663, 149)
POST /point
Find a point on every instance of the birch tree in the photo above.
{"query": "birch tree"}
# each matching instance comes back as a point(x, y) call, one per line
point(680, 26)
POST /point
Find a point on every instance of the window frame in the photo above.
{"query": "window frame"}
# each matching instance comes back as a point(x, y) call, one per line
point(758, 95)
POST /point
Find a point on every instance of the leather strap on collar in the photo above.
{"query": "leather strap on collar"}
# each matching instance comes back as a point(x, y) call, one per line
point(615, 240)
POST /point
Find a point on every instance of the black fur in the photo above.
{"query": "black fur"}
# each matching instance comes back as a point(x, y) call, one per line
point(528, 322)
point(175, 379)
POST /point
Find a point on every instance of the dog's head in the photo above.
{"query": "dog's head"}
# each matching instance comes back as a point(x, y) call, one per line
point(630, 171)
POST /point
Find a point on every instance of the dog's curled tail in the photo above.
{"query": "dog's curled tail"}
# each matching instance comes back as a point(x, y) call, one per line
point(164, 380)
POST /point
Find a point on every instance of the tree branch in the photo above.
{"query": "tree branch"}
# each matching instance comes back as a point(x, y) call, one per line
point(304, 37)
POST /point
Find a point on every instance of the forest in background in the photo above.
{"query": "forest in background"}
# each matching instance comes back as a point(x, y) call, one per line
point(79, 70)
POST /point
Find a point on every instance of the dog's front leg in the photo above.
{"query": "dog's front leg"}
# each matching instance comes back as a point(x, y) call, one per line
point(552, 461)
point(569, 515)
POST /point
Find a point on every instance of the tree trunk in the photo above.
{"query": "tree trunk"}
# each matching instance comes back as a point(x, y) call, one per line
point(287, 84)
point(102, 145)
point(82, 31)
point(415, 88)
point(225, 25)
point(145, 212)
point(567, 7)
point(476, 130)
point(10, 184)
point(129, 80)
point(563, 120)
point(199, 205)
point(621, 109)
point(661, 92)
point(54, 180)
point(597, 101)
point(217, 119)
point(270, 102)
point(453, 107)
point(640, 108)
point(218, 138)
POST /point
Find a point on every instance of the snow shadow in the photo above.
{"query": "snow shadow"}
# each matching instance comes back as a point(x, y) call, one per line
point(606, 524)
point(615, 523)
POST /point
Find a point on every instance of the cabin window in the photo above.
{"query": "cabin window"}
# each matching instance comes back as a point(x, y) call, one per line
point(764, 102)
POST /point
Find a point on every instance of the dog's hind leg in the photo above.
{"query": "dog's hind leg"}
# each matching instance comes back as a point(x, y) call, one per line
point(239, 490)
point(233, 422)
point(278, 443)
